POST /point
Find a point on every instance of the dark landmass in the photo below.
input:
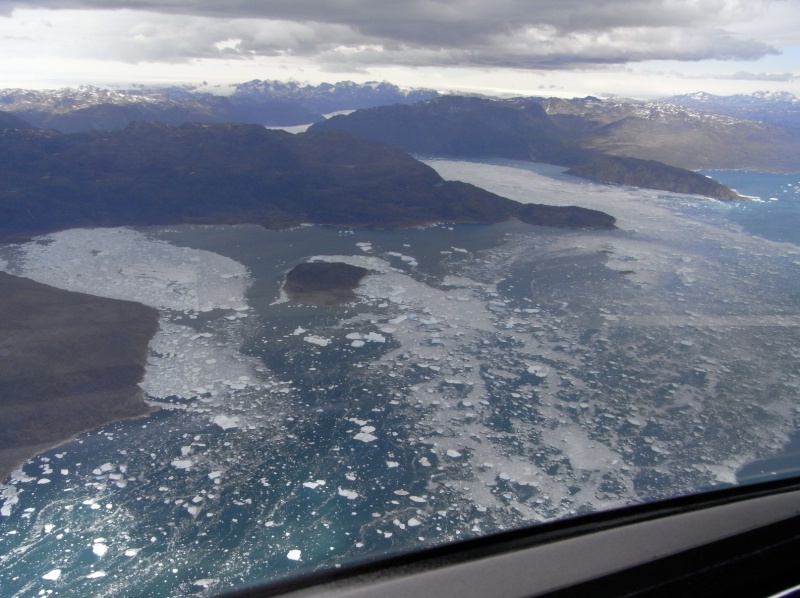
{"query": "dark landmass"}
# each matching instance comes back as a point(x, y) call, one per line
point(651, 175)
point(68, 362)
point(323, 283)
point(10, 121)
point(518, 129)
point(153, 174)
point(684, 136)
point(462, 126)
point(113, 117)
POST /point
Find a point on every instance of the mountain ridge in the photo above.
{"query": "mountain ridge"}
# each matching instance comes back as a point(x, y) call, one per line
point(519, 129)
point(681, 136)
point(150, 173)
point(269, 102)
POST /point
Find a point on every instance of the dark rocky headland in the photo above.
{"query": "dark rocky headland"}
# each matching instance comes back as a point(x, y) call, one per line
point(68, 362)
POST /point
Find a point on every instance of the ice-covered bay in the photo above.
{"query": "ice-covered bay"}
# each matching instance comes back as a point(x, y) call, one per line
point(486, 377)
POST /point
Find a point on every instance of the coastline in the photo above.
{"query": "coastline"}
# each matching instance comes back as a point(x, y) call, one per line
point(70, 362)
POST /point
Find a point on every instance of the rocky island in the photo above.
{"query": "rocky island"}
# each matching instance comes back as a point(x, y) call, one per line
point(323, 283)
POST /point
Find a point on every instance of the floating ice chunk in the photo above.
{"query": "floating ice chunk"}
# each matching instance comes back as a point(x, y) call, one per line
point(193, 511)
point(365, 437)
point(99, 549)
point(182, 463)
point(348, 494)
point(537, 370)
point(357, 344)
point(310, 485)
point(131, 552)
point(460, 250)
point(413, 522)
point(354, 336)
point(43, 481)
point(456, 382)
point(225, 422)
point(687, 343)
point(96, 574)
point(375, 337)
point(298, 331)
point(391, 464)
point(294, 555)
point(402, 492)
point(214, 475)
point(205, 583)
point(317, 340)
point(48, 527)
point(453, 454)
point(425, 462)
point(417, 499)
point(398, 319)
point(52, 575)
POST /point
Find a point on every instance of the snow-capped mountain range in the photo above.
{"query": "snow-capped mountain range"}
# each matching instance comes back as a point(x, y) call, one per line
point(778, 108)
point(260, 102)
point(689, 137)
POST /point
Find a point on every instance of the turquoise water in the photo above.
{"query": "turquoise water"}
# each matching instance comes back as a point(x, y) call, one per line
point(776, 216)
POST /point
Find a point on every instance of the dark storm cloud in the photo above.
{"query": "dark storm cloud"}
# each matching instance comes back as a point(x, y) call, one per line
point(510, 33)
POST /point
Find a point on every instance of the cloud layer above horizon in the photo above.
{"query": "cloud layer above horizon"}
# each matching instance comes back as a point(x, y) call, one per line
point(351, 34)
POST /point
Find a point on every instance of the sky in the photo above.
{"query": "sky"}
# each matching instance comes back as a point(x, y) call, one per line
point(567, 48)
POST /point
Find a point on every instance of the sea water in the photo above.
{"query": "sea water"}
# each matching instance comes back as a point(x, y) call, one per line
point(775, 214)
point(488, 377)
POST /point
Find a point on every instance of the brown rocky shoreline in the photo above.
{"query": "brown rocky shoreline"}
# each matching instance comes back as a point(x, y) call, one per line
point(69, 362)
